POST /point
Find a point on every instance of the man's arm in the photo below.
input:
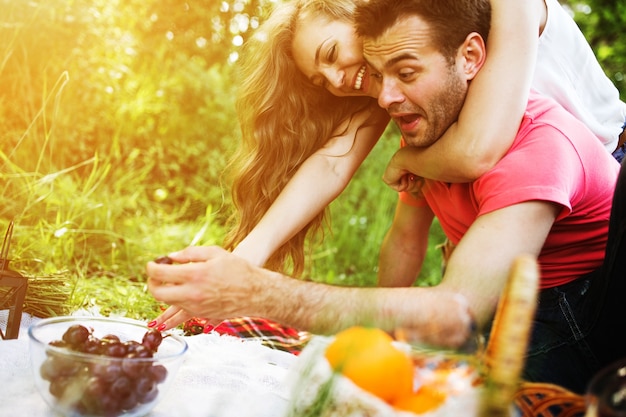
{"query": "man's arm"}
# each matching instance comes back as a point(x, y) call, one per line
point(404, 247)
point(210, 282)
point(494, 107)
point(479, 265)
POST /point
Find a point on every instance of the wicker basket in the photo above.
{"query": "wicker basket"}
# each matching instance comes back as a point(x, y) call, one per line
point(536, 399)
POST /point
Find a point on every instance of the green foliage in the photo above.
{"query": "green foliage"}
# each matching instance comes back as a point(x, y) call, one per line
point(603, 22)
point(360, 218)
point(112, 142)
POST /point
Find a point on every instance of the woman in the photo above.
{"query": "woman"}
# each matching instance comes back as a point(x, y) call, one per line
point(287, 113)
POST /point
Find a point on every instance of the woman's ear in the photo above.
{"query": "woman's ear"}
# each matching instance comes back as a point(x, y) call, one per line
point(473, 53)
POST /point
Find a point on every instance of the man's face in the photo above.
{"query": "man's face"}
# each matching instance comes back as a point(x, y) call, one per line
point(421, 89)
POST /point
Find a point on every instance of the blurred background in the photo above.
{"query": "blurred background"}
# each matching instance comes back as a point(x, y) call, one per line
point(116, 121)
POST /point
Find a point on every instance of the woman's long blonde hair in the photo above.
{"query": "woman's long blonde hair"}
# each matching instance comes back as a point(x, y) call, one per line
point(284, 119)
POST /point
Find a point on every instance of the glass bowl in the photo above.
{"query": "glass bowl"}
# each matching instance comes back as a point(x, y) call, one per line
point(122, 377)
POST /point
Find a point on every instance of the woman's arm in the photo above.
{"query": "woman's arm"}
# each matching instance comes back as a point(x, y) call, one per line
point(494, 105)
point(318, 181)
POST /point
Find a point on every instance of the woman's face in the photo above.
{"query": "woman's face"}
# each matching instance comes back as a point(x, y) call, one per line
point(330, 54)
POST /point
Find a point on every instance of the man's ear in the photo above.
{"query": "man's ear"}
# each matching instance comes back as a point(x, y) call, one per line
point(473, 52)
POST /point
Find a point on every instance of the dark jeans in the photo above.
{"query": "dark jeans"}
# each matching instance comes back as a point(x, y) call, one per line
point(619, 153)
point(579, 327)
point(560, 349)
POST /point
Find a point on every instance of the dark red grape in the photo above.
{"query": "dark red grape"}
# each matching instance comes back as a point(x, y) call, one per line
point(128, 401)
point(144, 352)
point(133, 368)
point(109, 404)
point(159, 373)
point(150, 395)
point(121, 386)
point(110, 338)
point(164, 260)
point(144, 385)
point(132, 346)
point(76, 335)
point(152, 339)
point(92, 346)
point(58, 386)
point(95, 387)
point(115, 350)
point(107, 371)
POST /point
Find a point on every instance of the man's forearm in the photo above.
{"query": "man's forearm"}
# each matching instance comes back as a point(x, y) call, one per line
point(397, 267)
point(404, 247)
point(429, 315)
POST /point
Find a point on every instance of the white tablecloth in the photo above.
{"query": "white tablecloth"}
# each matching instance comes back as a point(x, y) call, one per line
point(222, 376)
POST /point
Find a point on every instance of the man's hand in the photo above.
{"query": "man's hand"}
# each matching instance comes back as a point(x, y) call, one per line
point(398, 177)
point(204, 281)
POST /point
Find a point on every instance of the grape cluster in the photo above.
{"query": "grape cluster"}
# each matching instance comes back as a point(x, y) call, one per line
point(108, 385)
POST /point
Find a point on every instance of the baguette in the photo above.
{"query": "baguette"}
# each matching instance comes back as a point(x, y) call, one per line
point(506, 350)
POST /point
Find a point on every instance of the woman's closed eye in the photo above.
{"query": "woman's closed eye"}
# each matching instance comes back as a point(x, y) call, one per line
point(331, 54)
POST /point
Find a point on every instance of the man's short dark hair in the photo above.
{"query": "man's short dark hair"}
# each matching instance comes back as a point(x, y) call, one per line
point(450, 20)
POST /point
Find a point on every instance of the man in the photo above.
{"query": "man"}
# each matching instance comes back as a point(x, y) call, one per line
point(550, 196)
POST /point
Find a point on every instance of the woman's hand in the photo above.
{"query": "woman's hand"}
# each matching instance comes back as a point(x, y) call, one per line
point(170, 318)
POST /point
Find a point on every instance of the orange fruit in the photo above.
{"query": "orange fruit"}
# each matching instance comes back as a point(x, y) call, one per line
point(424, 400)
point(368, 357)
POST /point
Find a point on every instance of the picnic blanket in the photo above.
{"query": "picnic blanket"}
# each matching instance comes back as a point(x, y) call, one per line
point(531, 400)
point(270, 333)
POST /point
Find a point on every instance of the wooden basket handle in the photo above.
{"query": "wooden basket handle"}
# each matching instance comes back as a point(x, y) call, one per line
point(510, 334)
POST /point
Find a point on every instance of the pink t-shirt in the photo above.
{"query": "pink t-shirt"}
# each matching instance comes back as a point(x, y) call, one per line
point(553, 158)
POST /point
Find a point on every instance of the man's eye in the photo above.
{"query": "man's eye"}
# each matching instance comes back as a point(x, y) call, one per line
point(405, 75)
point(376, 75)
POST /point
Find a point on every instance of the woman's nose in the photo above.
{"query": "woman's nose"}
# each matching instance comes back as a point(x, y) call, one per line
point(335, 77)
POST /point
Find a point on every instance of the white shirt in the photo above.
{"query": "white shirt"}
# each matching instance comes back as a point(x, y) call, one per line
point(568, 71)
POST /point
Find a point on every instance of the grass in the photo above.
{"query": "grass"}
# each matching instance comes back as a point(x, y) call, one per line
point(82, 250)
point(110, 157)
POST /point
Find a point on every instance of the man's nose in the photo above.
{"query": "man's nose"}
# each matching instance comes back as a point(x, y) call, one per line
point(389, 94)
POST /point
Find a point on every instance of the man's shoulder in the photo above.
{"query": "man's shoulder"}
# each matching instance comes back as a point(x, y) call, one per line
point(550, 132)
point(540, 106)
point(546, 117)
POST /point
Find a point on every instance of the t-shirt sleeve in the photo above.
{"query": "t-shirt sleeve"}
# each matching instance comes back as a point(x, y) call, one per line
point(545, 166)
